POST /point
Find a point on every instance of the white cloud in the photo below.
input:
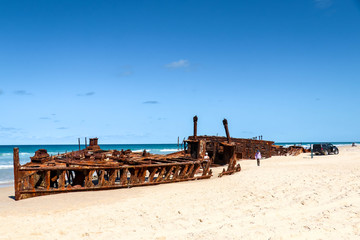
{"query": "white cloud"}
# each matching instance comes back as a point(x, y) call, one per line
point(182, 63)
point(323, 3)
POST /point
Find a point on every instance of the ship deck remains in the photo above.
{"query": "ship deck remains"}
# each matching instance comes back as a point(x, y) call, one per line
point(93, 169)
point(96, 169)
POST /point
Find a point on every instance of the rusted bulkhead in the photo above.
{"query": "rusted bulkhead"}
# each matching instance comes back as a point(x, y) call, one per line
point(220, 150)
point(244, 148)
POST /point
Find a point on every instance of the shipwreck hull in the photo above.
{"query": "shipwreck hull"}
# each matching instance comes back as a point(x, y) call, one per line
point(92, 168)
point(63, 173)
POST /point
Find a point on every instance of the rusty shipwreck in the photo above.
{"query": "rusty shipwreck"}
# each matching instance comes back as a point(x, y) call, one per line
point(92, 168)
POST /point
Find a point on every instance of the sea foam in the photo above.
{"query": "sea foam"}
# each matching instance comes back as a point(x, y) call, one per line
point(169, 150)
point(6, 166)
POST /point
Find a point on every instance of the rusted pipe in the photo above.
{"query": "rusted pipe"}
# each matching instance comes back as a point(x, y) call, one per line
point(195, 126)
point(16, 173)
point(225, 122)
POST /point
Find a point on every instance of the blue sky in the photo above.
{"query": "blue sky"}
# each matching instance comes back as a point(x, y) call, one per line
point(138, 71)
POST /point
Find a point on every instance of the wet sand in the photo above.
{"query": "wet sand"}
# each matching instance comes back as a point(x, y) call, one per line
point(285, 198)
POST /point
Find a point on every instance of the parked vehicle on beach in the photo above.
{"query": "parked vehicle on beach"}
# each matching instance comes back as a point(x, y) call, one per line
point(325, 149)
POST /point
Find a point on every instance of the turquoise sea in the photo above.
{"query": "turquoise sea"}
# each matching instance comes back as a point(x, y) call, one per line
point(27, 151)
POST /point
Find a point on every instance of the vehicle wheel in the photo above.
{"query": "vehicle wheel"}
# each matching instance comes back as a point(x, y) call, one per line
point(336, 151)
point(326, 152)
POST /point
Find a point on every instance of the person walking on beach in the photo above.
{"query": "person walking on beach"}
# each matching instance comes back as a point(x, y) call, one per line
point(258, 157)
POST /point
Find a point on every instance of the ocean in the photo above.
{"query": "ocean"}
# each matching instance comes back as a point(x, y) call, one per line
point(27, 151)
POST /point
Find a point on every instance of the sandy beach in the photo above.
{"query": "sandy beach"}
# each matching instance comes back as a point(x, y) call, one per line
point(285, 198)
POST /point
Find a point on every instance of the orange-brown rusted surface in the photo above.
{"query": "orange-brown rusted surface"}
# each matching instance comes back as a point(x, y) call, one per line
point(95, 169)
point(289, 151)
point(221, 150)
point(92, 168)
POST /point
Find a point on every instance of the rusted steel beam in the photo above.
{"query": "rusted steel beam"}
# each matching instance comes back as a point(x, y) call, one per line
point(161, 174)
point(152, 174)
point(57, 190)
point(229, 172)
point(123, 176)
point(98, 167)
point(183, 172)
point(17, 183)
point(169, 171)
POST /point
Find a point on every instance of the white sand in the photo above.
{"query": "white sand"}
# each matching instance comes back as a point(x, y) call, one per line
point(284, 198)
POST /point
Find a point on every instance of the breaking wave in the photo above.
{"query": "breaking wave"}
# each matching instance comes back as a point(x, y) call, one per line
point(137, 151)
point(169, 150)
point(6, 166)
point(6, 182)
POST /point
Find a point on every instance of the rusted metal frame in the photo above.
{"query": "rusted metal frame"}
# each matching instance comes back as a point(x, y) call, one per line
point(152, 171)
point(229, 172)
point(173, 170)
point(160, 161)
point(17, 182)
point(72, 168)
point(189, 171)
point(32, 181)
point(39, 191)
point(195, 169)
point(183, 171)
point(180, 159)
point(206, 167)
point(47, 180)
point(170, 160)
point(61, 181)
point(142, 174)
point(134, 175)
point(88, 178)
point(161, 174)
point(112, 176)
point(169, 171)
point(101, 177)
point(231, 169)
point(88, 164)
point(176, 172)
point(123, 176)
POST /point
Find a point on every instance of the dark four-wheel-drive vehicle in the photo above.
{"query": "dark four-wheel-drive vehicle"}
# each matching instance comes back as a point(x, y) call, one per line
point(325, 149)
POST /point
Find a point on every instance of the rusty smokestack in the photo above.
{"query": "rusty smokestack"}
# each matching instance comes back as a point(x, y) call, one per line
point(195, 126)
point(225, 122)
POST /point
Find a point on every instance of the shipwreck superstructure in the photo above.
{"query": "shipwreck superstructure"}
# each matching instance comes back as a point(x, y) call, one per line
point(225, 150)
